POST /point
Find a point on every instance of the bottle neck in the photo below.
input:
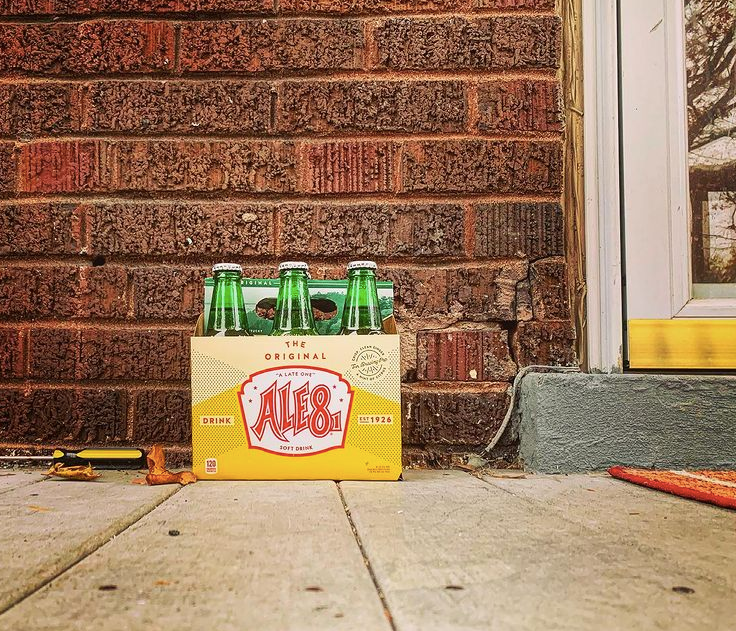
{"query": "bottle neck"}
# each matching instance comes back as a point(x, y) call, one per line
point(227, 309)
point(293, 308)
point(361, 313)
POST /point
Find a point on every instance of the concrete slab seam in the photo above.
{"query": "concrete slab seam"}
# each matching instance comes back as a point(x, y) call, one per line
point(366, 560)
point(134, 519)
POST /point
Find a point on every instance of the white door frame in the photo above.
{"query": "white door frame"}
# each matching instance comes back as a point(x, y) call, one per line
point(655, 165)
point(650, 62)
point(654, 157)
point(604, 309)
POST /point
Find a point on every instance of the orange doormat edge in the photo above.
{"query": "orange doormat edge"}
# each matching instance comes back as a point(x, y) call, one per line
point(677, 484)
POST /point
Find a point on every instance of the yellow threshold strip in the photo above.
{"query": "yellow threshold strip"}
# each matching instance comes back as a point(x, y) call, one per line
point(680, 344)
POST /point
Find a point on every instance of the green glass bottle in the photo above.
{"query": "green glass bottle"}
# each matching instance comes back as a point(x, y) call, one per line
point(294, 315)
point(361, 315)
point(227, 309)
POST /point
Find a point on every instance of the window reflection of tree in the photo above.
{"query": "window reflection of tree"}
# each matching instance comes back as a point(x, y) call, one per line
point(711, 101)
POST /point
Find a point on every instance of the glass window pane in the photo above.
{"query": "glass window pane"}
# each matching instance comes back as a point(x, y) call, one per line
point(711, 81)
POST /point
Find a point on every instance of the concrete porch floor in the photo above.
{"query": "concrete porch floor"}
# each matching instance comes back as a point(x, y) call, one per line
point(441, 550)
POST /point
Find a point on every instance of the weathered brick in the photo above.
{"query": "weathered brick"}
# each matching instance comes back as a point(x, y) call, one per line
point(95, 416)
point(140, 228)
point(52, 228)
point(179, 456)
point(78, 415)
point(417, 292)
point(102, 354)
point(523, 230)
point(464, 355)
point(540, 5)
point(30, 293)
point(550, 297)
point(348, 167)
point(485, 293)
point(454, 417)
point(102, 292)
point(163, 416)
point(164, 165)
point(168, 292)
point(481, 166)
point(12, 357)
point(370, 6)
point(205, 166)
point(63, 167)
point(86, 48)
point(53, 353)
point(455, 43)
point(429, 230)
point(427, 457)
point(90, 7)
point(178, 292)
point(523, 106)
point(503, 456)
point(134, 354)
point(38, 108)
point(63, 291)
point(524, 309)
point(372, 230)
point(230, 6)
point(372, 106)
point(470, 293)
point(269, 45)
point(8, 168)
point(176, 107)
point(13, 413)
point(547, 343)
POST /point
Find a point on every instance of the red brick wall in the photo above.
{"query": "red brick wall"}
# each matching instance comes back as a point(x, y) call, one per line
point(143, 140)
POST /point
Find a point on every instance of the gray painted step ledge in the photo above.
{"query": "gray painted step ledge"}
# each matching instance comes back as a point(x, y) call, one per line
point(586, 422)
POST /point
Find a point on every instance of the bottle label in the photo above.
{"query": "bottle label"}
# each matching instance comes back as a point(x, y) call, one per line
point(296, 410)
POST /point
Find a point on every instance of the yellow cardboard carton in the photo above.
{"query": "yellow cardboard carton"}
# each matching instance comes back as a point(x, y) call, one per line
point(324, 407)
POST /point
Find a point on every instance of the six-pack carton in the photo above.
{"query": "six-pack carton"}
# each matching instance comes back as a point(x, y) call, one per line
point(301, 407)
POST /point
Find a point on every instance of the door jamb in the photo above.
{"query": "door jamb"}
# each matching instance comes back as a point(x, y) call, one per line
point(605, 322)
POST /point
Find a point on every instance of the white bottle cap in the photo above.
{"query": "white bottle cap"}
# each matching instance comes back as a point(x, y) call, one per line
point(362, 265)
point(227, 267)
point(286, 265)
